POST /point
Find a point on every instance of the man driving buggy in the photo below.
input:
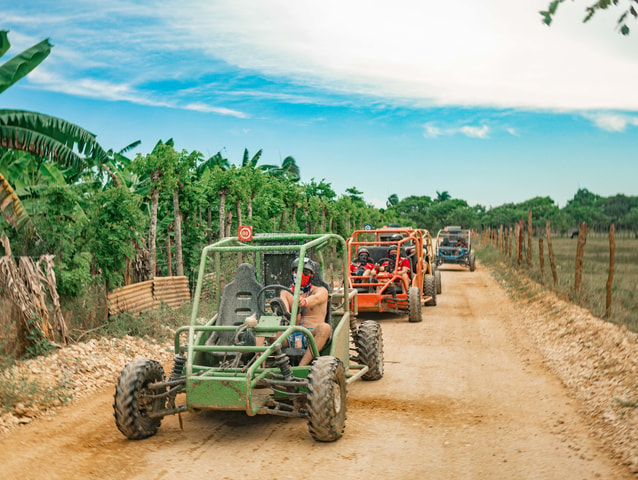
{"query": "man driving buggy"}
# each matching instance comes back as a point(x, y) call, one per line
point(313, 304)
point(403, 269)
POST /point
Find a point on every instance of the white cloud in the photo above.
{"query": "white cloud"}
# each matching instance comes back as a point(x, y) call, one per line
point(493, 53)
point(612, 122)
point(432, 131)
point(476, 132)
point(202, 107)
point(91, 88)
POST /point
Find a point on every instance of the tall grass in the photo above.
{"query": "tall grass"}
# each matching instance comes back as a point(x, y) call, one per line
point(624, 307)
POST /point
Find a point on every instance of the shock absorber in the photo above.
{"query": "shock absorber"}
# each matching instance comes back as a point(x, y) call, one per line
point(283, 363)
point(179, 361)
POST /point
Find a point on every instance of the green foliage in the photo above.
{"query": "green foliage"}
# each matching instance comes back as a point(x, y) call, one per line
point(14, 69)
point(116, 226)
point(590, 11)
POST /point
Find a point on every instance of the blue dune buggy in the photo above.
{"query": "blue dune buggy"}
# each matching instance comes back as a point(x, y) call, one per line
point(454, 246)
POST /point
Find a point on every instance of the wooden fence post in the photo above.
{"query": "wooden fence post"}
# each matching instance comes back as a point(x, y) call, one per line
point(541, 259)
point(610, 277)
point(580, 253)
point(550, 251)
point(509, 243)
point(520, 242)
point(528, 255)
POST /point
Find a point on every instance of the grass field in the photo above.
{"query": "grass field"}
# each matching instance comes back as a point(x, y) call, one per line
point(624, 306)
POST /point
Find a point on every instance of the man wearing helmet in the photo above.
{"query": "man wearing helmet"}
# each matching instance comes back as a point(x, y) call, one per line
point(403, 268)
point(362, 266)
point(313, 304)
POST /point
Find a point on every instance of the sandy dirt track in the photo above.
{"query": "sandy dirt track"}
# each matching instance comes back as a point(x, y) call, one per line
point(465, 396)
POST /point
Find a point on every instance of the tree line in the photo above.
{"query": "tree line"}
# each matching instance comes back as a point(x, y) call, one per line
point(113, 220)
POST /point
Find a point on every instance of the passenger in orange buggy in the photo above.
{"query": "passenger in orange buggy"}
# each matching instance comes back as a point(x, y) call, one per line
point(363, 267)
point(404, 269)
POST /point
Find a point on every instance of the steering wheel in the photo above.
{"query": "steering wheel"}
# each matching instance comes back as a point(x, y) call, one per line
point(277, 304)
point(381, 260)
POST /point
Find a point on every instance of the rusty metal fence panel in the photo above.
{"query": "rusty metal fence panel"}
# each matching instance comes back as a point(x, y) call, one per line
point(148, 295)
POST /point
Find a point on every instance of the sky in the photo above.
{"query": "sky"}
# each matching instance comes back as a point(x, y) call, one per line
point(479, 99)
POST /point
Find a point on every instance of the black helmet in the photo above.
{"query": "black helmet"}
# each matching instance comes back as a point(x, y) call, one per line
point(363, 250)
point(391, 247)
point(396, 238)
point(307, 264)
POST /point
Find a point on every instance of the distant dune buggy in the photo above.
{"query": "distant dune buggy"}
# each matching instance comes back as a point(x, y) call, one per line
point(218, 363)
point(454, 246)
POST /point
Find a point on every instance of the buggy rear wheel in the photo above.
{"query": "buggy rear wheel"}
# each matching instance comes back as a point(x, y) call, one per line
point(437, 277)
point(429, 289)
point(414, 305)
point(326, 399)
point(472, 263)
point(132, 406)
point(370, 349)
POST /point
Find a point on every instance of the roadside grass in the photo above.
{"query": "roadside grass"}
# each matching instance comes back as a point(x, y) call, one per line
point(595, 272)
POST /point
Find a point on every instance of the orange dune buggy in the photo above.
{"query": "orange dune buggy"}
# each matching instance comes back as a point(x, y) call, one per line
point(386, 289)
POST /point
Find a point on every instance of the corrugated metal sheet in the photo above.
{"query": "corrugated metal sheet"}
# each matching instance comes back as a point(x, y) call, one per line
point(143, 296)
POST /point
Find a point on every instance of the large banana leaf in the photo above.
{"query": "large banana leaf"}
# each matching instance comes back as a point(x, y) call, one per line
point(22, 64)
point(11, 207)
point(49, 137)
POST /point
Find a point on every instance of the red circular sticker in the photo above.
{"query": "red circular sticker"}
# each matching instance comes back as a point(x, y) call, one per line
point(245, 233)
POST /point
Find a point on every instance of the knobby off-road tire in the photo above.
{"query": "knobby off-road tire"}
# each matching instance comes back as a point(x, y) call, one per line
point(472, 263)
point(370, 349)
point(326, 399)
point(414, 305)
point(437, 277)
point(429, 289)
point(129, 408)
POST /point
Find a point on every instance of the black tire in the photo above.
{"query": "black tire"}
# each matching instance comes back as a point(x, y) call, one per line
point(326, 399)
point(414, 305)
point(370, 349)
point(429, 289)
point(129, 408)
point(437, 277)
point(472, 263)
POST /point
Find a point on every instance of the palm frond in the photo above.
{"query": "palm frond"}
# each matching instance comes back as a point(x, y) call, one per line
point(23, 63)
point(40, 145)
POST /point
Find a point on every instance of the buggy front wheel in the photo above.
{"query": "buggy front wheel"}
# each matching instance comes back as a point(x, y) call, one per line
point(133, 403)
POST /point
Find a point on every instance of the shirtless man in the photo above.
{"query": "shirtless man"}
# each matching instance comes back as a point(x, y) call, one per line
point(313, 302)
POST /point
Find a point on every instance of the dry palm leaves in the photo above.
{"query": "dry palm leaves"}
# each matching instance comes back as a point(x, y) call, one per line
point(26, 284)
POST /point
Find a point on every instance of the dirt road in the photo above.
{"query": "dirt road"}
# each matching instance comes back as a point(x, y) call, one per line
point(464, 396)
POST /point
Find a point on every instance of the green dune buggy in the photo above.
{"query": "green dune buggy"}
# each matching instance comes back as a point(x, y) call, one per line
point(220, 365)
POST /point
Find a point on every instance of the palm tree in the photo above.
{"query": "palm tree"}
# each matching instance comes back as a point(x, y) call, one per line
point(392, 200)
point(288, 169)
point(442, 196)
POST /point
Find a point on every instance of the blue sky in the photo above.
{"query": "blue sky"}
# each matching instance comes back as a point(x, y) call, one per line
point(476, 98)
